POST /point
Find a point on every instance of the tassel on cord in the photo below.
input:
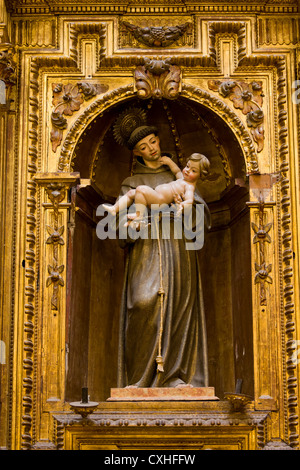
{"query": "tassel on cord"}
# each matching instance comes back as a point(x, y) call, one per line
point(161, 293)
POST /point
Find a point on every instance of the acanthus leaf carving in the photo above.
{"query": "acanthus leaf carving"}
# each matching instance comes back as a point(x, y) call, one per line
point(248, 97)
point(157, 79)
point(255, 121)
point(89, 90)
point(59, 123)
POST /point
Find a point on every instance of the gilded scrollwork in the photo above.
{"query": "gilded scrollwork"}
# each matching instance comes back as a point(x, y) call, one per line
point(95, 108)
point(236, 124)
point(248, 97)
point(66, 100)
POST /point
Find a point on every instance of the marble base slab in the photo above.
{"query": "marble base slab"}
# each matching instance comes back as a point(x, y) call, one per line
point(163, 394)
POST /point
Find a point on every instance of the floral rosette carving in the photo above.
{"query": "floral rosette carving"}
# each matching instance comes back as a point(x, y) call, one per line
point(56, 193)
point(248, 97)
point(68, 99)
point(55, 280)
point(262, 269)
point(55, 235)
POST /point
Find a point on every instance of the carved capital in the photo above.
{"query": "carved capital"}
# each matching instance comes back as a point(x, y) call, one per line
point(55, 182)
point(7, 64)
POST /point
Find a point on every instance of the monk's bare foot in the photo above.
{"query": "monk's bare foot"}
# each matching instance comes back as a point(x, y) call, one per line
point(184, 385)
point(131, 386)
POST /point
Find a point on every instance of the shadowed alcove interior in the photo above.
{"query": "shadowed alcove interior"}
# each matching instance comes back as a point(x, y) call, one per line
point(95, 267)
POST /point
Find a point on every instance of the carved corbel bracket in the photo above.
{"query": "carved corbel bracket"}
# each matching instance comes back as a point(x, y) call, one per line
point(66, 100)
point(157, 79)
point(56, 187)
point(248, 97)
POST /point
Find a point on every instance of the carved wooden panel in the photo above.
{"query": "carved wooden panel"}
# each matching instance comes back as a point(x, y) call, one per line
point(79, 60)
point(156, 32)
point(136, 426)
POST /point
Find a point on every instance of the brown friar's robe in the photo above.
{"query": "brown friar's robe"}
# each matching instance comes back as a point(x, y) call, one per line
point(183, 339)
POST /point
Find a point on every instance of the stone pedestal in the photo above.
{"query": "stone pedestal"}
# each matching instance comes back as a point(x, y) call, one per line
point(185, 393)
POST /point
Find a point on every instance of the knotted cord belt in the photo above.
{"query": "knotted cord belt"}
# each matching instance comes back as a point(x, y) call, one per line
point(161, 293)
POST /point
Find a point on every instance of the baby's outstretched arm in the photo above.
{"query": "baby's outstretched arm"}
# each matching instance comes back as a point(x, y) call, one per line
point(172, 165)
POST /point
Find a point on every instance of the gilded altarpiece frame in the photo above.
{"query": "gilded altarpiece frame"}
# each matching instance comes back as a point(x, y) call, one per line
point(104, 67)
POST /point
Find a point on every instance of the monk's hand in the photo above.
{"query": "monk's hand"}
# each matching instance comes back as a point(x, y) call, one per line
point(165, 160)
point(178, 198)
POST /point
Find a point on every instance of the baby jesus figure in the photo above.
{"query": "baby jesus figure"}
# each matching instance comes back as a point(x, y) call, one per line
point(181, 191)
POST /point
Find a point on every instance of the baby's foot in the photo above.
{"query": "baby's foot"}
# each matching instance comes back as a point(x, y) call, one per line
point(110, 209)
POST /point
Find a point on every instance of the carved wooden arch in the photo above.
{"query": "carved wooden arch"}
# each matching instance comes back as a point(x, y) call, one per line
point(191, 92)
